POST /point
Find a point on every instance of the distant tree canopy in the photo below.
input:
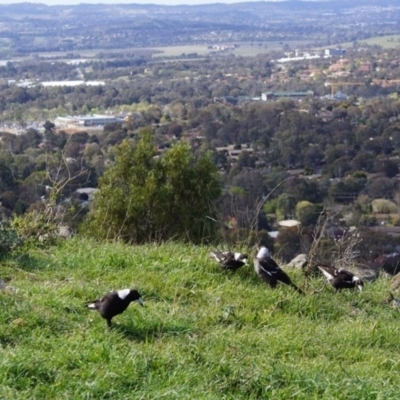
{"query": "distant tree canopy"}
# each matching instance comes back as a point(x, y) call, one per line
point(147, 198)
point(306, 213)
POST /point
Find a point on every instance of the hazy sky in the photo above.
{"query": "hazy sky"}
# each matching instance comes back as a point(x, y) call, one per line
point(165, 2)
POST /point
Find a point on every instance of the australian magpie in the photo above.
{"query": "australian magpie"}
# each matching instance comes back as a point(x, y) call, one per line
point(114, 303)
point(270, 272)
point(340, 279)
point(229, 260)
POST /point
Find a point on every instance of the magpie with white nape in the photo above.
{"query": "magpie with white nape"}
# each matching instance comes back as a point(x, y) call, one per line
point(114, 303)
point(340, 279)
point(229, 260)
point(270, 272)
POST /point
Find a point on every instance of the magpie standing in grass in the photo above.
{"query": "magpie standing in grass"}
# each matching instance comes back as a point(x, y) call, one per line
point(340, 279)
point(114, 303)
point(228, 260)
point(270, 272)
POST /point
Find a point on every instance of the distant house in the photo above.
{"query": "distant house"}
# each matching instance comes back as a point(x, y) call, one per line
point(339, 74)
point(325, 115)
point(336, 67)
point(233, 100)
point(71, 83)
point(222, 47)
point(226, 99)
point(385, 82)
point(268, 96)
point(233, 152)
point(334, 52)
point(340, 96)
point(96, 120)
point(85, 120)
point(366, 68)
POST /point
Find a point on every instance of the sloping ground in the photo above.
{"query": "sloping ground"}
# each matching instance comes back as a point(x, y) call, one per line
point(203, 334)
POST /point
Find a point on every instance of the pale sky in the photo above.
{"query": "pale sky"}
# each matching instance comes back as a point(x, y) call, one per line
point(163, 2)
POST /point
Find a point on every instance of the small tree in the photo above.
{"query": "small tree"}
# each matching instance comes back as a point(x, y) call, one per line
point(145, 198)
point(306, 213)
point(6, 177)
point(383, 206)
point(44, 219)
point(285, 206)
point(8, 238)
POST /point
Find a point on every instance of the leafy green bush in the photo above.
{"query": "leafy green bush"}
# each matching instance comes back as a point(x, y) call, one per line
point(308, 170)
point(34, 228)
point(306, 213)
point(359, 175)
point(270, 206)
point(285, 206)
point(9, 238)
point(364, 203)
point(367, 220)
point(147, 198)
point(383, 206)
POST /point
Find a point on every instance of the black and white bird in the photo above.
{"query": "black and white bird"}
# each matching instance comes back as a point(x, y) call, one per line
point(228, 260)
point(114, 303)
point(270, 272)
point(340, 279)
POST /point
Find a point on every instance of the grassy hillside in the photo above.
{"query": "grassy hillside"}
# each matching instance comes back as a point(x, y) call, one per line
point(387, 42)
point(203, 334)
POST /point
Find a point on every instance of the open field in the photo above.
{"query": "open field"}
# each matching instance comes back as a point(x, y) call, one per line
point(387, 42)
point(203, 334)
point(244, 49)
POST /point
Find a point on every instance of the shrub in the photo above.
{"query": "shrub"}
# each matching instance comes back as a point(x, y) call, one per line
point(42, 222)
point(383, 206)
point(367, 220)
point(308, 170)
point(359, 175)
point(143, 198)
point(34, 227)
point(306, 213)
point(364, 202)
point(270, 206)
point(8, 238)
point(285, 206)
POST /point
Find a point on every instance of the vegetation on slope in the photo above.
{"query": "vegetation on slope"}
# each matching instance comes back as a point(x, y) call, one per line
point(203, 333)
point(143, 198)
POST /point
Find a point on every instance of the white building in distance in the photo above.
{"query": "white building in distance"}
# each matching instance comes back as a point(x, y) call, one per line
point(85, 120)
point(72, 83)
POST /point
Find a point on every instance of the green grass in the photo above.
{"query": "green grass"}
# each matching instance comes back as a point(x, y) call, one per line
point(244, 49)
point(387, 42)
point(203, 334)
